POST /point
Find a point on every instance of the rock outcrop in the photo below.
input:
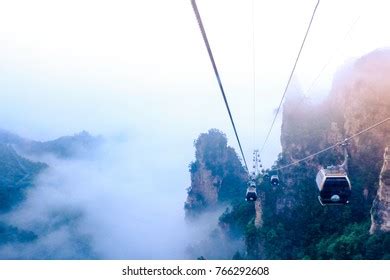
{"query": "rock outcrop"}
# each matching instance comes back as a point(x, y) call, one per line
point(259, 213)
point(216, 175)
point(380, 211)
point(361, 93)
point(359, 98)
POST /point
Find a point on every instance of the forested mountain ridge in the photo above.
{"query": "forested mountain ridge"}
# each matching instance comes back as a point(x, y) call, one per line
point(17, 173)
point(63, 147)
point(18, 176)
point(295, 225)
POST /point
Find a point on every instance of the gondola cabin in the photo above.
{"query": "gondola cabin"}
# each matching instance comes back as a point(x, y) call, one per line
point(334, 186)
point(274, 180)
point(251, 194)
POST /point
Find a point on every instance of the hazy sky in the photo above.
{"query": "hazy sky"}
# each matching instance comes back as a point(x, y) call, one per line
point(114, 66)
point(140, 69)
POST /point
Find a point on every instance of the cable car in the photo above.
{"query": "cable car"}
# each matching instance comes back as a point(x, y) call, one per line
point(334, 185)
point(274, 180)
point(251, 194)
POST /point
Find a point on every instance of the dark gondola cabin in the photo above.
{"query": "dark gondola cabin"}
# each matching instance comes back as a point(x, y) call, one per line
point(274, 180)
point(334, 186)
point(251, 194)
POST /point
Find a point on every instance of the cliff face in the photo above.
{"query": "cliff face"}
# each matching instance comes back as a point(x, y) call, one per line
point(306, 128)
point(363, 92)
point(216, 175)
point(359, 98)
point(380, 212)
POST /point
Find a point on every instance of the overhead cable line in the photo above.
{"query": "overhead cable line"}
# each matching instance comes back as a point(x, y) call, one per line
point(206, 41)
point(335, 145)
point(290, 77)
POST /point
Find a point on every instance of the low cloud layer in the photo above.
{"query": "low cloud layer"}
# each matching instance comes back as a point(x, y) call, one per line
point(111, 204)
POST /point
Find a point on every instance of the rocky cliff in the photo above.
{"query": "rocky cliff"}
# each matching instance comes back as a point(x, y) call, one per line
point(362, 91)
point(359, 98)
point(380, 211)
point(216, 174)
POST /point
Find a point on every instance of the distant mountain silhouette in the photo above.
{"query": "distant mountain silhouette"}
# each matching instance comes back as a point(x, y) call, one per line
point(64, 147)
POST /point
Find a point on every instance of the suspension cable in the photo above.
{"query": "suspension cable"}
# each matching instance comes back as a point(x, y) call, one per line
point(206, 41)
point(290, 77)
point(335, 145)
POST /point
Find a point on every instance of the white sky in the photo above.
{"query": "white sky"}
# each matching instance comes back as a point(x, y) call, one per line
point(140, 67)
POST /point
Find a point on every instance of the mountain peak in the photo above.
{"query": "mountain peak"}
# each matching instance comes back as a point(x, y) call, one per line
point(64, 147)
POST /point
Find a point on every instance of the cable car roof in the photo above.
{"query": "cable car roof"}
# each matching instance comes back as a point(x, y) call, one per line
point(334, 171)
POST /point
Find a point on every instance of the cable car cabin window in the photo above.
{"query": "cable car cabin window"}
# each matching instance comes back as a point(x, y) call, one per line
point(275, 180)
point(251, 195)
point(335, 190)
point(336, 184)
